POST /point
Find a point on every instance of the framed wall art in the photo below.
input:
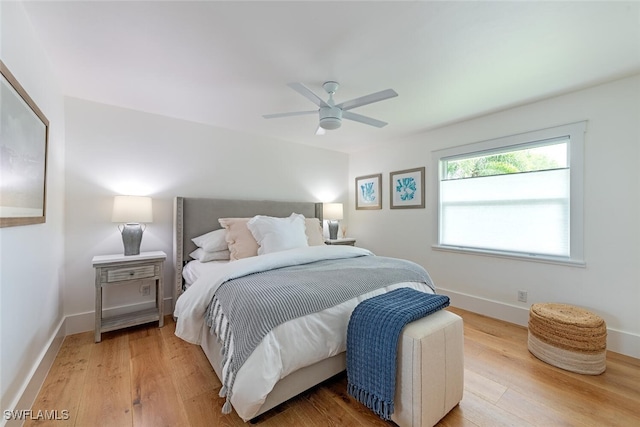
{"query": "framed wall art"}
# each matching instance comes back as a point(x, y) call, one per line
point(24, 134)
point(369, 192)
point(407, 189)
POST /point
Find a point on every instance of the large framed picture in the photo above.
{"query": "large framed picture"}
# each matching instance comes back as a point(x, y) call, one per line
point(369, 192)
point(24, 134)
point(407, 188)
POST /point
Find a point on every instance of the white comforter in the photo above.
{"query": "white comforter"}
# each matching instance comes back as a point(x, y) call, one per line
point(290, 346)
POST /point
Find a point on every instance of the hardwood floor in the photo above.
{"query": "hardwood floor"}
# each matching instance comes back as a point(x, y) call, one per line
point(146, 376)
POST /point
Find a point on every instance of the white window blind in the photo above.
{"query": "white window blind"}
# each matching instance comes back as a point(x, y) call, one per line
point(515, 196)
point(527, 212)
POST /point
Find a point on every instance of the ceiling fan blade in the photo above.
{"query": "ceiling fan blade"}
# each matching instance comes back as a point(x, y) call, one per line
point(320, 131)
point(367, 99)
point(294, 113)
point(363, 119)
point(307, 93)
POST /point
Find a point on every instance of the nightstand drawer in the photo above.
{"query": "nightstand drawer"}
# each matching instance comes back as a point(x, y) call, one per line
point(131, 273)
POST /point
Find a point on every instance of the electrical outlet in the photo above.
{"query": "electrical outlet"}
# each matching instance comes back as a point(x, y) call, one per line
point(145, 289)
point(522, 296)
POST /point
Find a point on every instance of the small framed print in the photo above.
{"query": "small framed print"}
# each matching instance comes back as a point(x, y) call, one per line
point(369, 192)
point(407, 189)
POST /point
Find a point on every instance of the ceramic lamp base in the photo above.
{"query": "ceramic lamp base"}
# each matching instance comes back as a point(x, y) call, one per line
point(333, 230)
point(131, 238)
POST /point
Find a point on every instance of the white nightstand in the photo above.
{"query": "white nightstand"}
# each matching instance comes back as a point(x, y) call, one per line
point(119, 270)
point(344, 241)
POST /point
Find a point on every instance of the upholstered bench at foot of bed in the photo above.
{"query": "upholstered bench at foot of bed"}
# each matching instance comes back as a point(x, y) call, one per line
point(430, 375)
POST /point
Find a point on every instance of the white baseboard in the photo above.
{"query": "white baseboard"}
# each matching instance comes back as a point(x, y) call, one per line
point(32, 384)
point(622, 342)
point(69, 325)
point(83, 322)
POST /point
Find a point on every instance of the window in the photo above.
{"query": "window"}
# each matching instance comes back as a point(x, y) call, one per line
point(515, 196)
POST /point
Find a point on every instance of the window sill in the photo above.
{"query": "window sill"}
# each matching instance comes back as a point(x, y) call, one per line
point(510, 255)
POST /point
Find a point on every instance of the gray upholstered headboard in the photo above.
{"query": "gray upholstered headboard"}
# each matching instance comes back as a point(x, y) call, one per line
point(193, 217)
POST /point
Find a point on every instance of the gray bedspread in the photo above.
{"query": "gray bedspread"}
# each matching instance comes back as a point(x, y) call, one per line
point(245, 309)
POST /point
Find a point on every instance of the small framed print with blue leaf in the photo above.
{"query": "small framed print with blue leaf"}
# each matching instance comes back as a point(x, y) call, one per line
point(407, 189)
point(369, 192)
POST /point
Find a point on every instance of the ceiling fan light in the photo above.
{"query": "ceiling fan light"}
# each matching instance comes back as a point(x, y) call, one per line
point(330, 118)
point(330, 123)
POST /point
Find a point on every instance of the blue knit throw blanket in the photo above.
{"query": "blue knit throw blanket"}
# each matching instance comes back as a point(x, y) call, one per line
point(372, 341)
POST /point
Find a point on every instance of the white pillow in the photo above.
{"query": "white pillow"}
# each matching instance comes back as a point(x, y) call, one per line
point(278, 234)
point(204, 256)
point(212, 242)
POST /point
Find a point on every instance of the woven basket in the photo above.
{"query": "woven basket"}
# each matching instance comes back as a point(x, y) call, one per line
point(568, 337)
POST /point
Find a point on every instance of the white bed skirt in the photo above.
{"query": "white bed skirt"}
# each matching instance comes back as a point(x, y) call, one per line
point(291, 385)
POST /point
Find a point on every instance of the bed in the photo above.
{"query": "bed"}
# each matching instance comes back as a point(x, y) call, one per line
point(266, 379)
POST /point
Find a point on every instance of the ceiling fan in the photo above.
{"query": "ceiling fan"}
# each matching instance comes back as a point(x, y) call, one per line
point(331, 114)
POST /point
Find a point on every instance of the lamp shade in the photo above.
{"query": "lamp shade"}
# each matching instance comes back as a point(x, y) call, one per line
point(332, 211)
point(132, 209)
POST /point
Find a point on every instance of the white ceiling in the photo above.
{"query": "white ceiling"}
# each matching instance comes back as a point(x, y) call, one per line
point(227, 63)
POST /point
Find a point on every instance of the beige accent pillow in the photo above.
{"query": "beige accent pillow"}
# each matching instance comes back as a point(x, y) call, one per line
point(239, 238)
point(242, 244)
point(314, 231)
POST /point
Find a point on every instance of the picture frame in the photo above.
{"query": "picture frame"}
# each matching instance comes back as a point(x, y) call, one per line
point(406, 189)
point(24, 138)
point(369, 192)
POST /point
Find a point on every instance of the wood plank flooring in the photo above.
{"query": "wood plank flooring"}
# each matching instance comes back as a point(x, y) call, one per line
point(145, 376)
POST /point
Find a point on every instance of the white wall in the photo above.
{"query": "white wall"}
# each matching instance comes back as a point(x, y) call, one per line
point(31, 270)
point(610, 283)
point(118, 151)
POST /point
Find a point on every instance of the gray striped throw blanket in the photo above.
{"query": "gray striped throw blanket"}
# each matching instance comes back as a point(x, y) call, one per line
point(372, 342)
point(245, 309)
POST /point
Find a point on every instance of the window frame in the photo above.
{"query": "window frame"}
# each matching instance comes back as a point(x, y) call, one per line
point(575, 163)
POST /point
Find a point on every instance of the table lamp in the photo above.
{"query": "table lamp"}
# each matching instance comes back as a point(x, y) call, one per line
point(332, 212)
point(130, 212)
